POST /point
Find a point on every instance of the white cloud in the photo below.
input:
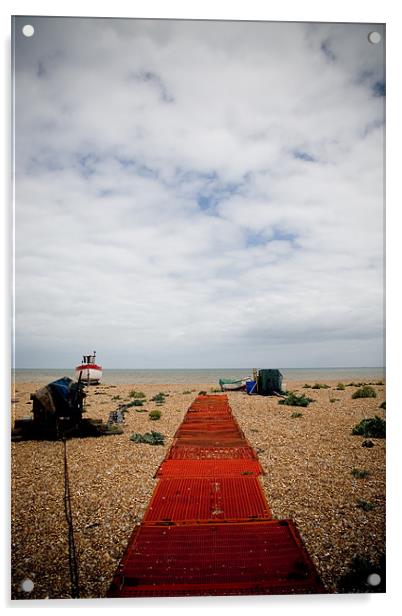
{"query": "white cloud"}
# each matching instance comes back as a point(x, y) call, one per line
point(197, 194)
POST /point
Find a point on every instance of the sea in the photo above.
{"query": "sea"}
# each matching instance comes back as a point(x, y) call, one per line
point(205, 375)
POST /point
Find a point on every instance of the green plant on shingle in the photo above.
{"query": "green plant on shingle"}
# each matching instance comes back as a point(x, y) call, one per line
point(150, 438)
point(320, 386)
point(365, 392)
point(374, 427)
point(134, 403)
point(293, 399)
point(365, 505)
point(340, 386)
point(358, 474)
point(306, 386)
point(296, 414)
point(159, 398)
point(154, 415)
point(136, 394)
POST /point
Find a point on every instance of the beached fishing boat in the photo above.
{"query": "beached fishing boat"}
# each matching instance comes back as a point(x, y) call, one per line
point(89, 370)
point(233, 385)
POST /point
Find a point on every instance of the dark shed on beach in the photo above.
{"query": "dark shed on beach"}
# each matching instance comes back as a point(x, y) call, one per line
point(269, 382)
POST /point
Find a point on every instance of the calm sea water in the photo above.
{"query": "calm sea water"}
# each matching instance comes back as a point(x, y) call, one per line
point(116, 377)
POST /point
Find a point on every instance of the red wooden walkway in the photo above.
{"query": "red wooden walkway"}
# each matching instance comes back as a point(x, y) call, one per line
point(208, 529)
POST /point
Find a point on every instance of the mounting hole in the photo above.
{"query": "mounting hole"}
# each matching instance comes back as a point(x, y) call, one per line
point(27, 585)
point(28, 30)
point(374, 37)
point(374, 579)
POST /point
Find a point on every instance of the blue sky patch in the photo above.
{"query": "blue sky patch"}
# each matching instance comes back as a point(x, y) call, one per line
point(302, 155)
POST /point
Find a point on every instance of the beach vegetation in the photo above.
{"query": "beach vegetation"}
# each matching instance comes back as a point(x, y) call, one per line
point(116, 398)
point(365, 392)
point(365, 505)
point(340, 386)
point(306, 386)
point(159, 398)
point(293, 399)
point(382, 405)
point(296, 414)
point(373, 427)
point(380, 383)
point(215, 390)
point(334, 399)
point(186, 392)
point(320, 386)
point(367, 443)
point(150, 438)
point(359, 474)
point(136, 394)
point(134, 403)
point(154, 415)
point(202, 393)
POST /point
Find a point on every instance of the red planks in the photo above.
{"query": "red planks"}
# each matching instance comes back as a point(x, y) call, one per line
point(181, 500)
point(208, 529)
point(178, 452)
point(257, 558)
point(209, 468)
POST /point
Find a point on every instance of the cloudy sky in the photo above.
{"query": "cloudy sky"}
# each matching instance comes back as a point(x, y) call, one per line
point(198, 194)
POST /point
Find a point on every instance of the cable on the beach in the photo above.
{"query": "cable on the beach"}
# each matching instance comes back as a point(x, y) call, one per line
point(72, 556)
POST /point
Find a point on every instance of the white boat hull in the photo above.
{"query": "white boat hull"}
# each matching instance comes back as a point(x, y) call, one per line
point(89, 374)
point(234, 386)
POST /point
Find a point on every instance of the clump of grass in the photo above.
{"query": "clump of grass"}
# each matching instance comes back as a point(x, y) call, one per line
point(320, 386)
point(154, 415)
point(134, 403)
point(334, 399)
point(382, 405)
point(214, 390)
point(358, 474)
point(159, 398)
point(374, 427)
point(202, 393)
point(150, 438)
point(365, 505)
point(136, 394)
point(296, 414)
point(293, 399)
point(186, 392)
point(340, 386)
point(367, 443)
point(365, 392)
point(306, 386)
point(380, 383)
point(116, 398)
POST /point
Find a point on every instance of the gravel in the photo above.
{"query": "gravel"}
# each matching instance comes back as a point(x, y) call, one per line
point(308, 463)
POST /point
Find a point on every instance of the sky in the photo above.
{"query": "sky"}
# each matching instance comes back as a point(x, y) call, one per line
point(198, 194)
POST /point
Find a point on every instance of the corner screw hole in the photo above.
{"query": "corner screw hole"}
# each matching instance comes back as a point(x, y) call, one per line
point(374, 37)
point(28, 30)
point(374, 579)
point(27, 585)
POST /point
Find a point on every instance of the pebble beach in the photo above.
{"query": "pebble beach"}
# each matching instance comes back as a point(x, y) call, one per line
point(310, 463)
